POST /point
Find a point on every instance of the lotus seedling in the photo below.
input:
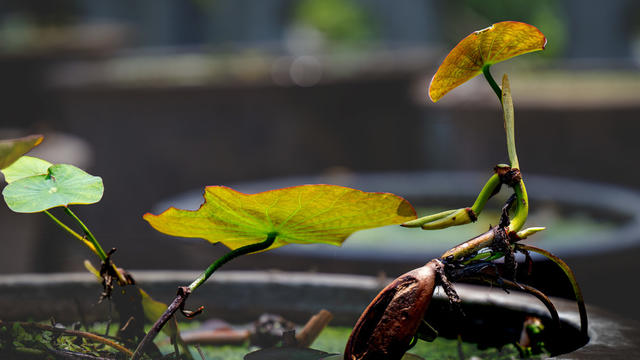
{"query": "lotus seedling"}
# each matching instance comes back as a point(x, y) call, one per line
point(393, 323)
point(251, 223)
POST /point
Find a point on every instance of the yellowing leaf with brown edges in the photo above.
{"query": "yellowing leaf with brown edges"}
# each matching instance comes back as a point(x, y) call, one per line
point(301, 214)
point(12, 149)
point(499, 42)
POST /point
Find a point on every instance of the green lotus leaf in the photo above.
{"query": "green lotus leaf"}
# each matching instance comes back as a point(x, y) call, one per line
point(12, 149)
point(62, 185)
point(301, 214)
point(24, 167)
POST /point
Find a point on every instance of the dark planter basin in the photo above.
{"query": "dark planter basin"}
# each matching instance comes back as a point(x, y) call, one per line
point(594, 227)
point(233, 296)
point(596, 213)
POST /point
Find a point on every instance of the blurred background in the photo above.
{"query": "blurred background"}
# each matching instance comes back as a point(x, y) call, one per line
point(163, 97)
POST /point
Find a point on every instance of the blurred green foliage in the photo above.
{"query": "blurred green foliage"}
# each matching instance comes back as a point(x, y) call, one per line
point(342, 22)
point(547, 15)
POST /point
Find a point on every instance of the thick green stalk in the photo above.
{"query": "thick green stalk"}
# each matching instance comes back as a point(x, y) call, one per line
point(522, 208)
point(469, 247)
point(184, 292)
point(491, 81)
point(486, 193)
point(522, 199)
point(584, 322)
point(458, 216)
point(509, 127)
point(271, 237)
point(429, 218)
point(73, 233)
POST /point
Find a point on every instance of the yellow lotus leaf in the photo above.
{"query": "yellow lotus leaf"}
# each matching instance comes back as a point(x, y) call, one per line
point(301, 214)
point(499, 42)
point(11, 150)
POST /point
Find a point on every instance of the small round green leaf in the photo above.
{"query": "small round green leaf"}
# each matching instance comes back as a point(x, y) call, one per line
point(24, 167)
point(62, 185)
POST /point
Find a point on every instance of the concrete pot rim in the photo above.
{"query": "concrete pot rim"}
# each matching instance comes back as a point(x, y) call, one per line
point(611, 337)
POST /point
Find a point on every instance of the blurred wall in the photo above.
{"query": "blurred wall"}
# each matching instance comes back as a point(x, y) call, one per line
point(175, 95)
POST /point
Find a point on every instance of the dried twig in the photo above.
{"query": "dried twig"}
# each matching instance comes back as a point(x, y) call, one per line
point(313, 328)
point(199, 351)
point(177, 303)
point(216, 337)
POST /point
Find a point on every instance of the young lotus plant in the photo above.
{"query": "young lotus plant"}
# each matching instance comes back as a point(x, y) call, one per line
point(393, 322)
point(251, 223)
point(37, 186)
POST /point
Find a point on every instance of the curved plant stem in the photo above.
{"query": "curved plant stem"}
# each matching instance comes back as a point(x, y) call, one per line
point(486, 239)
point(537, 293)
point(470, 246)
point(486, 193)
point(271, 237)
point(429, 218)
point(502, 282)
point(92, 239)
point(73, 233)
point(461, 216)
point(101, 254)
point(584, 321)
point(522, 199)
point(509, 122)
point(504, 96)
point(522, 208)
point(491, 81)
point(184, 292)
